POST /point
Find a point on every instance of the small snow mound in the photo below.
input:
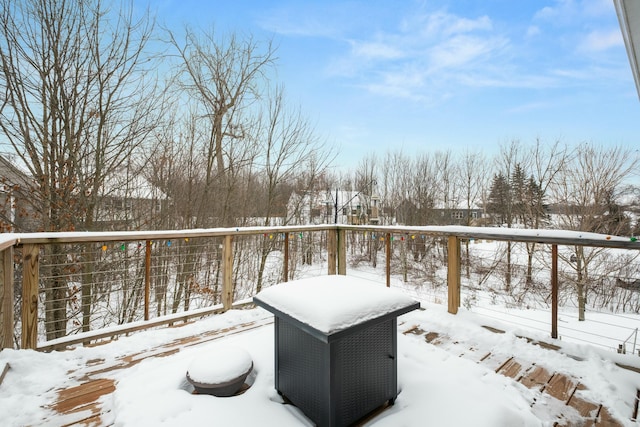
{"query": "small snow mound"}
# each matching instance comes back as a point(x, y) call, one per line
point(222, 365)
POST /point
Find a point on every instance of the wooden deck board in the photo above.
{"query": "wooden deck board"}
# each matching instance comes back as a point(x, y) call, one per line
point(85, 393)
point(474, 354)
point(164, 350)
point(584, 407)
point(512, 369)
point(605, 419)
point(536, 377)
point(560, 386)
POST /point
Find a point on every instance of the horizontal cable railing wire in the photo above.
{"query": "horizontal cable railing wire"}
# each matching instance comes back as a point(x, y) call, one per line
point(184, 275)
point(90, 281)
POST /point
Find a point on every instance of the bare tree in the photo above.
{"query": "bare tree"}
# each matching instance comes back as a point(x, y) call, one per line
point(366, 182)
point(77, 102)
point(223, 77)
point(218, 79)
point(585, 195)
point(396, 186)
point(547, 164)
point(473, 180)
point(446, 170)
point(509, 157)
point(287, 148)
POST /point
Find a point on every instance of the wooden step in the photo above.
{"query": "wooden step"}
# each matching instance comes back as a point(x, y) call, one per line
point(560, 386)
point(535, 377)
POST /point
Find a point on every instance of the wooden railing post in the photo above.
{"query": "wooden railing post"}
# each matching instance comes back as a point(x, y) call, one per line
point(554, 291)
point(285, 265)
point(332, 250)
point(30, 279)
point(6, 298)
point(453, 273)
point(387, 248)
point(342, 252)
point(147, 278)
point(227, 273)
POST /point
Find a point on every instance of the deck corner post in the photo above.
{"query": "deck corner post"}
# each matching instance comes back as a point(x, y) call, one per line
point(453, 273)
point(387, 249)
point(285, 262)
point(554, 291)
point(30, 279)
point(147, 278)
point(332, 250)
point(6, 298)
point(227, 273)
point(342, 252)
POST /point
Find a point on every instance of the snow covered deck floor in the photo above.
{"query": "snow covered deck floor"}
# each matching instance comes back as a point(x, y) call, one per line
point(559, 388)
point(80, 404)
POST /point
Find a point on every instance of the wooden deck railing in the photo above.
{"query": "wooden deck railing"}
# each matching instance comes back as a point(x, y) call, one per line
point(29, 246)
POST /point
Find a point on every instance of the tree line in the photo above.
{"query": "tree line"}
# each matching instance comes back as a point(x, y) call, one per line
point(106, 109)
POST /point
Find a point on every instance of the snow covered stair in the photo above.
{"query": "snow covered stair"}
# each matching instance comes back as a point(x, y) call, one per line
point(559, 393)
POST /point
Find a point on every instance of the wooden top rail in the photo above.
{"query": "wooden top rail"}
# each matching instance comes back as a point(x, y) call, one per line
point(554, 237)
point(559, 237)
point(7, 240)
point(110, 236)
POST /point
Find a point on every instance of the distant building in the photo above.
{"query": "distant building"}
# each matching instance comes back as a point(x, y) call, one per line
point(329, 207)
point(128, 202)
point(458, 216)
point(409, 213)
point(18, 212)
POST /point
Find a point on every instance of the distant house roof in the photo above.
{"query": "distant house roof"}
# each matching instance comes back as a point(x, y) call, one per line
point(120, 185)
point(11, 173)
point(629, 17)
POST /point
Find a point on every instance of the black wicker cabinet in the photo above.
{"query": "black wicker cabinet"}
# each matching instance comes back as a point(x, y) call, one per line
point(336, 379)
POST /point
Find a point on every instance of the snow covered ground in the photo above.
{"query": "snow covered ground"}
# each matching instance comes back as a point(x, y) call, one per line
point(436, 387)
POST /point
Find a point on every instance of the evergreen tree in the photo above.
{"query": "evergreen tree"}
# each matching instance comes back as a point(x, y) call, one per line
point(535, 204)
point(519, 194)
point(499, 203)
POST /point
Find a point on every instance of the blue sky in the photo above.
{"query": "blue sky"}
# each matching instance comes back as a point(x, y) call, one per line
point(375, 75)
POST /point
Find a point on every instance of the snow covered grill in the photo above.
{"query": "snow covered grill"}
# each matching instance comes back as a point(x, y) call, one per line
point(335, 345)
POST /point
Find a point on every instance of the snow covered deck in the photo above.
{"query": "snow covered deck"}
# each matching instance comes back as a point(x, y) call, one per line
point(452, 370)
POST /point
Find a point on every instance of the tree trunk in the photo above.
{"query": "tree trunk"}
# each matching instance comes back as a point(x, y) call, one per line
point(530, 252)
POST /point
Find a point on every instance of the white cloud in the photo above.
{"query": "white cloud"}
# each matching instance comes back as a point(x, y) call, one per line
point(601, 40)
point(420, 55)
point(533, 106)
point(533, 31)
point(460, 51)
point(573, 12)
point(598, 8)
point(307, 26)
point(464, 25)
point(564, 11)
point(376, 50)
point(424, 46)
point(439, 24)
